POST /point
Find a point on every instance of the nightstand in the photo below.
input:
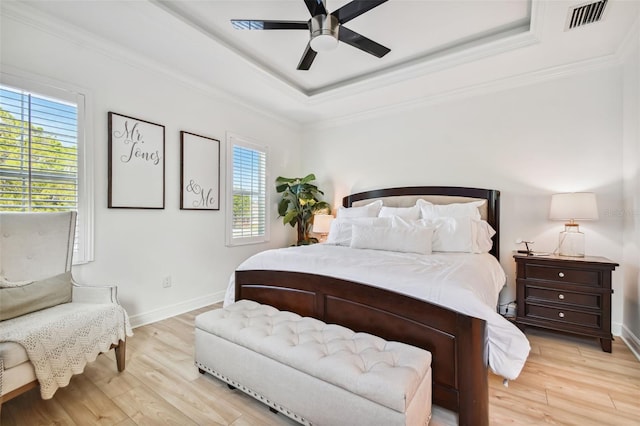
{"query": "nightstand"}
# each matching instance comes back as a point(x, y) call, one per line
point(565, 293)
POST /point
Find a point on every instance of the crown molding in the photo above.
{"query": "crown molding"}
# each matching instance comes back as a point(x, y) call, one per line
point(276, 78)
point(493, 86)
point(504, 41)
point(439, 61)
point(631, 42)
point(27, 15)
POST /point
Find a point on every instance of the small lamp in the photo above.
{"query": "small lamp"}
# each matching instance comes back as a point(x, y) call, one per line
point(572, 206)
point(322, 225)
point(324, 33)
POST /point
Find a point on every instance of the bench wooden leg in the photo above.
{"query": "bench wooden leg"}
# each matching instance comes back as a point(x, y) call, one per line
point(120, 354)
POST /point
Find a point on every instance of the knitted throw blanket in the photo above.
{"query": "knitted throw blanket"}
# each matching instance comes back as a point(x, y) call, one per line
point(62, 339)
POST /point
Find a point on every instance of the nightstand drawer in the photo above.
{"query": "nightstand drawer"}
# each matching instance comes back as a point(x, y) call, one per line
point(564, 275)
point(588, 300)
point(582, 319)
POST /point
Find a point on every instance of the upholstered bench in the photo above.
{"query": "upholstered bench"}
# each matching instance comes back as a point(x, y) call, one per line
point(313, 372)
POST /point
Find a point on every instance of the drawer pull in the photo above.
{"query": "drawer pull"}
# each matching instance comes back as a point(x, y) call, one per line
point(561, 314)
point(561, 274)
point(561, 296)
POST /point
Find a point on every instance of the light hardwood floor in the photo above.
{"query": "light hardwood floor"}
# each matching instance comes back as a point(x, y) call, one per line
point(566, 380)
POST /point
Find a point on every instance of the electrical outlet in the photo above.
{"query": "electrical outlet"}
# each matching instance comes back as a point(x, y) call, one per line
point(166, 281)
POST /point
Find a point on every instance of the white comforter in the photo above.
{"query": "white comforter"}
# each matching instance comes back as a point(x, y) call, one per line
point(467, 283)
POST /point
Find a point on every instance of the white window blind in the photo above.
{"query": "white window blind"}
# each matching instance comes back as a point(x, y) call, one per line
point(38, 153)
point(40, 139)
point(248, 176)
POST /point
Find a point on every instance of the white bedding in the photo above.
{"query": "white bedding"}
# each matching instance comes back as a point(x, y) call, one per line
point(467, 283)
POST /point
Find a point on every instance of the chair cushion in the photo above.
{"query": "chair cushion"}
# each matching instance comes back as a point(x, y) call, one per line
point(34, 296)
point(12, 354)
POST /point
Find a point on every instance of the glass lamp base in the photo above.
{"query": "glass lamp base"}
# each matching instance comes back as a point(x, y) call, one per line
point(571, 241)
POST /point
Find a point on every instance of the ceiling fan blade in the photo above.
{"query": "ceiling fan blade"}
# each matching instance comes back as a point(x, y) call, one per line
point(316, 7)
point(355, 8)
point(257, 24)
point(307, 58)
point(361, 42)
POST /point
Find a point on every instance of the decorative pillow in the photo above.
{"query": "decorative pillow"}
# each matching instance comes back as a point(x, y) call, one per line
point(415, 239)
point(452, 234)
point(34, 296)
point(341, 229)
point(370, 210)
point(408, 213)
point(433, 211)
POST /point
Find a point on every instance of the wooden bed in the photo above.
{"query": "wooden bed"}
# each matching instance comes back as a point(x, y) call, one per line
point(455, 340)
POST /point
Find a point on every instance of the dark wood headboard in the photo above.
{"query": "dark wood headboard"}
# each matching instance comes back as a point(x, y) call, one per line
point(491, 195)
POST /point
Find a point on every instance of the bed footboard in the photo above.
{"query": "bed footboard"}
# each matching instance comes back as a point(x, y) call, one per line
point(456, 341)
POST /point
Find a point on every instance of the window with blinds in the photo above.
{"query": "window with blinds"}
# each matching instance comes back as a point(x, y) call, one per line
point(38, 153)
point(248, 176)
point(39, 157)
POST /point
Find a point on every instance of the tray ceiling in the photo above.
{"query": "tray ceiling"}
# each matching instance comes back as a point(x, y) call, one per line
point(439, 48)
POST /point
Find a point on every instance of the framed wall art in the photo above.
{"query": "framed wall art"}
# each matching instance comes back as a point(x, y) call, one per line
point(136, 163)
point(199, 172)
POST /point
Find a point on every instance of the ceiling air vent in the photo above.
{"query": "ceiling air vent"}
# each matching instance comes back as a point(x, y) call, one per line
point(585, 14)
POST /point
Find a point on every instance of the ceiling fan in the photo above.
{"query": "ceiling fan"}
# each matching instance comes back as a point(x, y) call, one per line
point(325, 29)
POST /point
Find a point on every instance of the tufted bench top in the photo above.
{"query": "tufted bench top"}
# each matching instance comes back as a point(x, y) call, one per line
point(387, 373)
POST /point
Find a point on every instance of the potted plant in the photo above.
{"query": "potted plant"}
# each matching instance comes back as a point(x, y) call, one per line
point(300, 200)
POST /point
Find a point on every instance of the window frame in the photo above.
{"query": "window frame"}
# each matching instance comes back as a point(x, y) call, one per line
point(38, 86)
point(248, 143)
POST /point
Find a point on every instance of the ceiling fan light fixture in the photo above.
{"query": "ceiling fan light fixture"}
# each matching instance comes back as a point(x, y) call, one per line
point(324, 33)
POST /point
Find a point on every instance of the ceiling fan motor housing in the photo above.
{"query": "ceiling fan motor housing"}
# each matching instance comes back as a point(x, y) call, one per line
point(324, 32)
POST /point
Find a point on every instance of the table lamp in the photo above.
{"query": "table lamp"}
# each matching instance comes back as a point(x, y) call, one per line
point(572, 206)
point(322, 225)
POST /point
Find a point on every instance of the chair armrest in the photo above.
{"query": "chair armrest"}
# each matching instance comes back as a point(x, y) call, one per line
point(87, 294)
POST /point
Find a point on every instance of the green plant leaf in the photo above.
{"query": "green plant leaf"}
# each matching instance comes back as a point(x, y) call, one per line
point(282, 188)
point(322, 205)
point(283, 206)
point(289, 217)
point(280, 179)
point(300, 199)
point(308, 178)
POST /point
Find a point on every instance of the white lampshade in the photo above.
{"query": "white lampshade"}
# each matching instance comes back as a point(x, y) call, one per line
point(573, 206)
point(322, 223)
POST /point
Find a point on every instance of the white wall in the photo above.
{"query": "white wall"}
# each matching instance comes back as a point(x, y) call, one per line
point(135, 249)
point(631, 210)
point(528, 142)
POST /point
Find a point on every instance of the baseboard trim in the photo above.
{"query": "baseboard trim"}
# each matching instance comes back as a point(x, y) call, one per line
point(145, 318)
point(631, 340)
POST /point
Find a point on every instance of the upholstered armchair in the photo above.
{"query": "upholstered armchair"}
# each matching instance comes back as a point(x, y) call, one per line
point(50, 326)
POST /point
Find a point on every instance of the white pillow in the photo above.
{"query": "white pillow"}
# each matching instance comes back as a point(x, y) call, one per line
point(483, 233)
point(415, 239)
point(370, 210)
point(341, 228)
point(452, 234)
point(409, 213)
point(433, 211)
